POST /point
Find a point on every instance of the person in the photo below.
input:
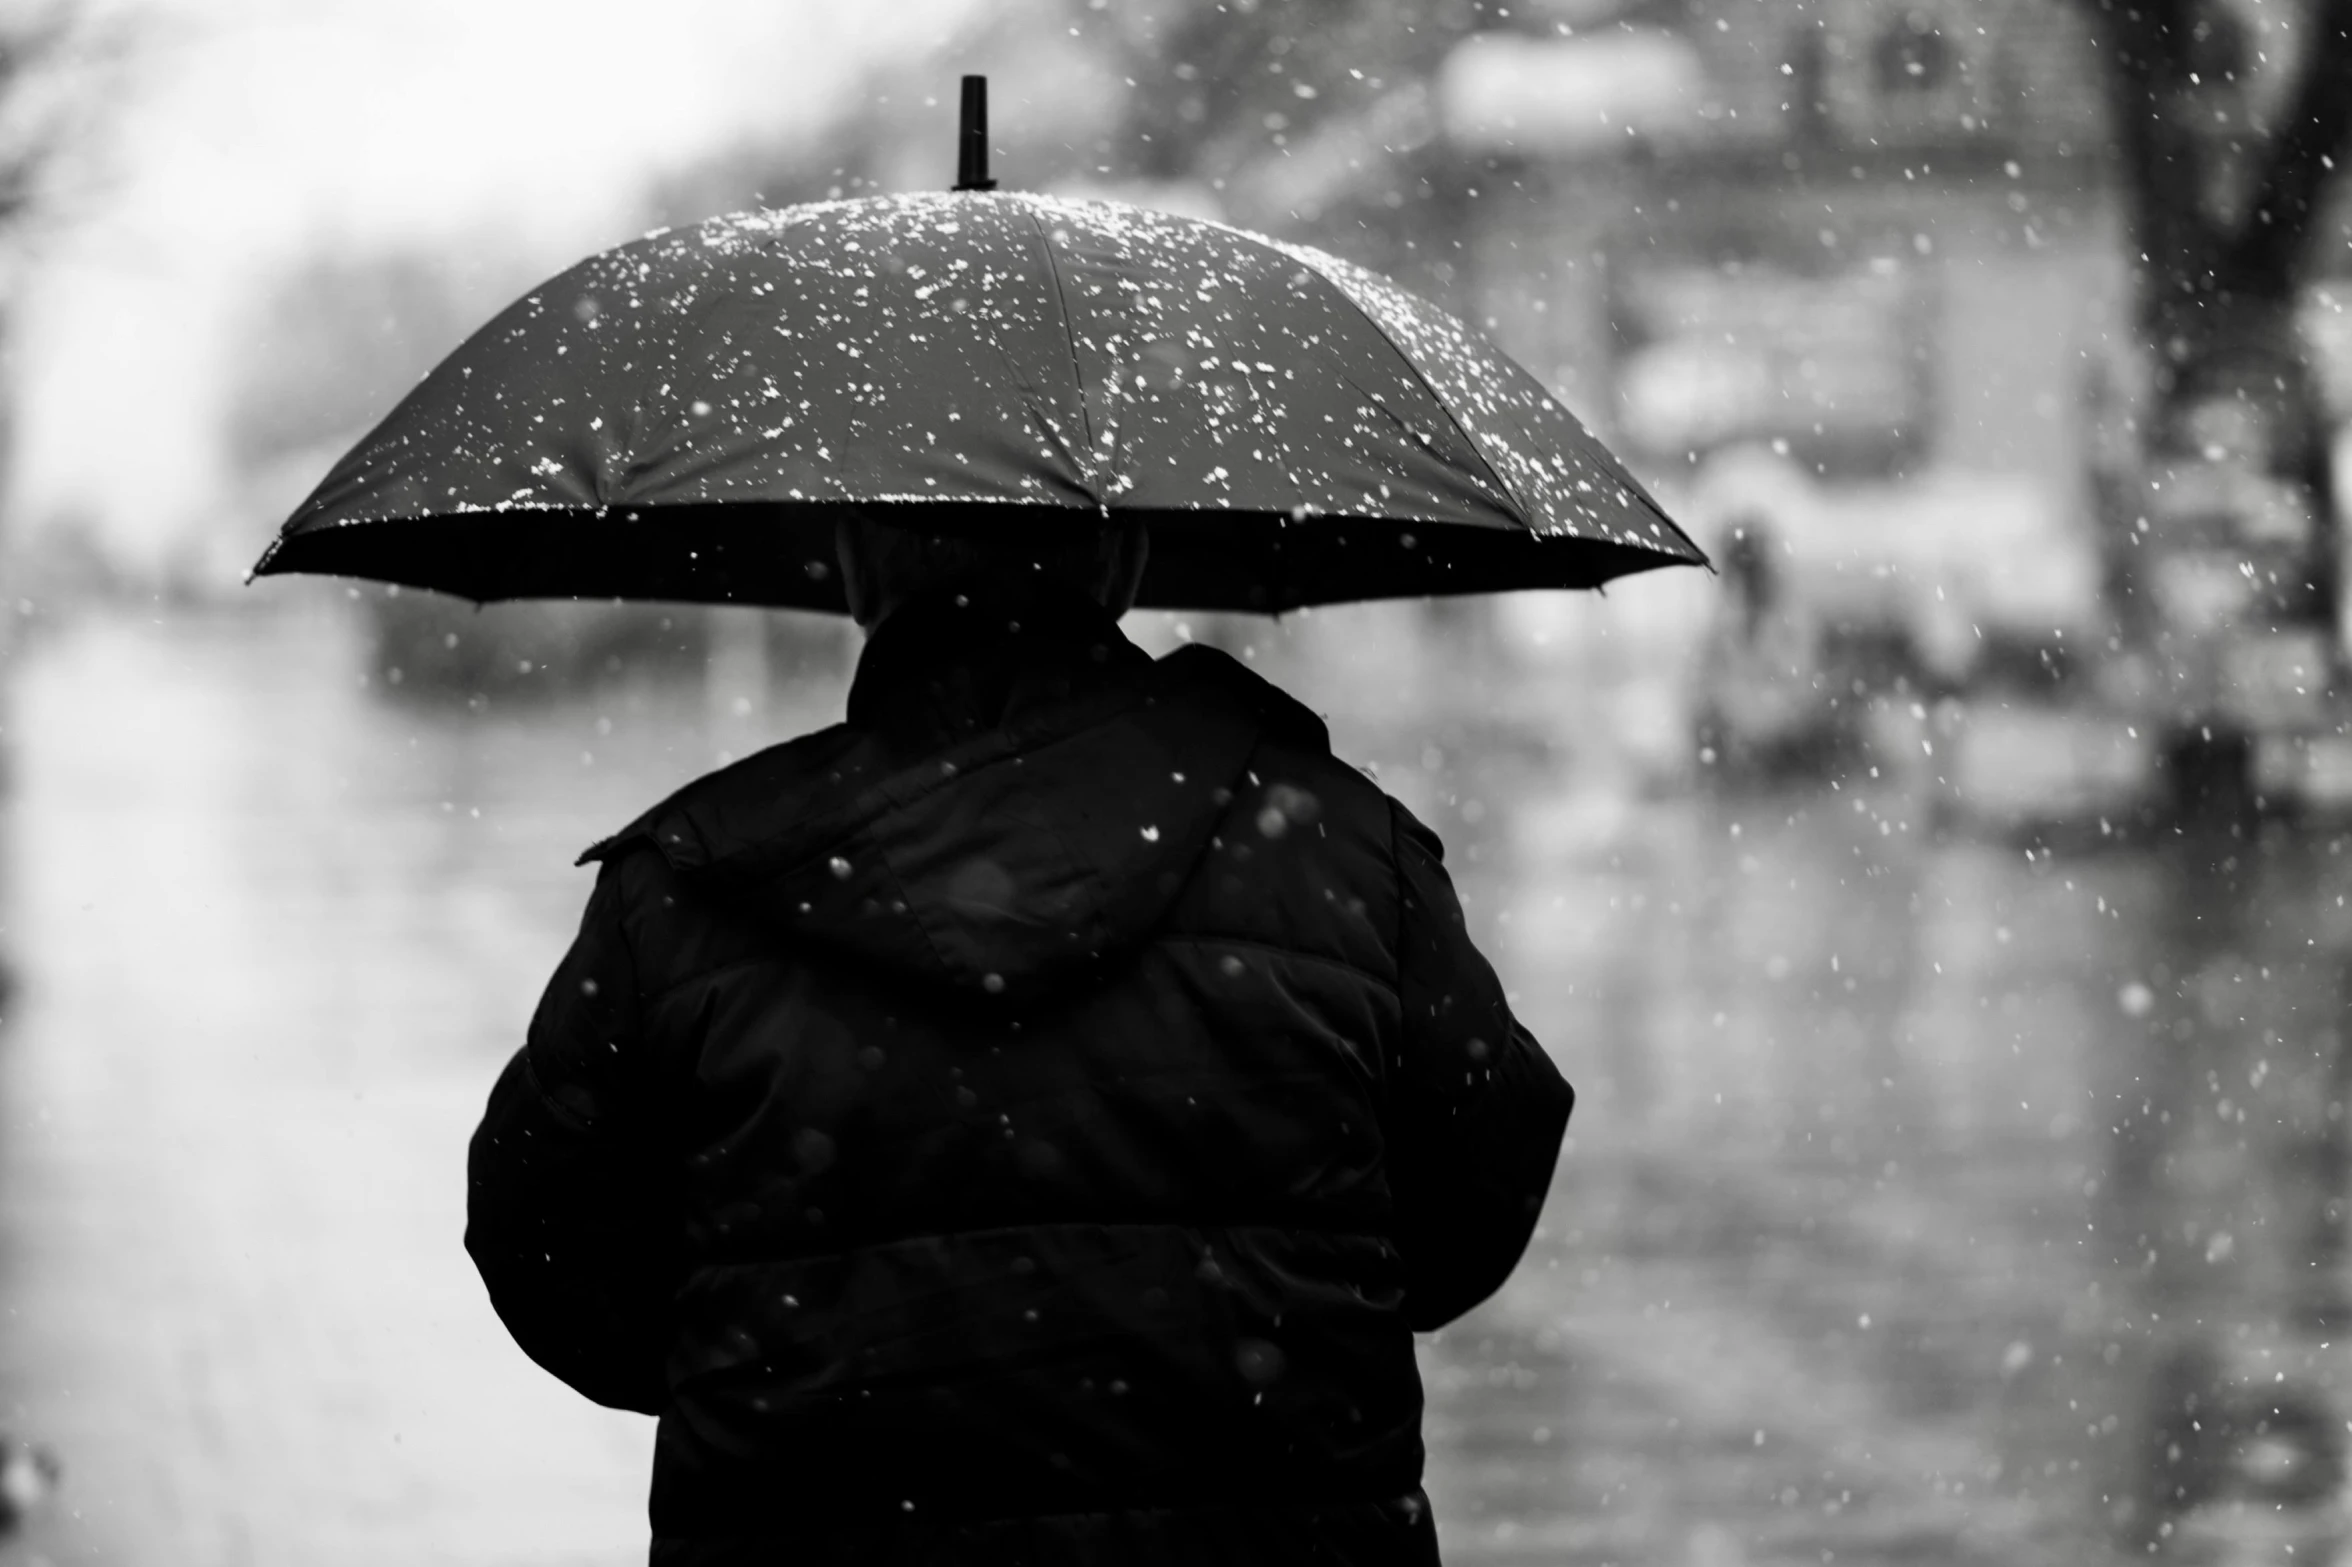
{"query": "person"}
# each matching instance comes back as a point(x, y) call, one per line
point(1025, 1122)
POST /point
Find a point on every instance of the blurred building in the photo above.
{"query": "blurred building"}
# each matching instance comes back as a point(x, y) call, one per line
point(1876, 236)
point(1849, 274)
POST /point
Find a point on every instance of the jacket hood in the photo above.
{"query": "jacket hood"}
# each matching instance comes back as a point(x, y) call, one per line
point(1010, 864)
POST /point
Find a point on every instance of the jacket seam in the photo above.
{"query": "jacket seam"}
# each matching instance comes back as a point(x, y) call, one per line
point(565, 1117)
point(930, 936)
point(919, 780)
point(1380, 1499)
point(1211, 939)
point(749, 960)
point(629, 955)
point(755, 959)
point(781, 1259)
point(1396, 872)
point(1396, 876)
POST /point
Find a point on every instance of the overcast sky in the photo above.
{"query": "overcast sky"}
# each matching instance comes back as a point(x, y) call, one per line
point(249, 130)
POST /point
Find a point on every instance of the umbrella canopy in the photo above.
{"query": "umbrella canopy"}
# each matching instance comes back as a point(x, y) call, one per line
point(686, 416)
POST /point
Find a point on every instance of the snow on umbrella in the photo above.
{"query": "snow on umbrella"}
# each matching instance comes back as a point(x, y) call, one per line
point(685, 417)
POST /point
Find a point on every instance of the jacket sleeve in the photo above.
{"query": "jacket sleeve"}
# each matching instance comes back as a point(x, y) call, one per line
point(570, 1212)
point(1478, 1109)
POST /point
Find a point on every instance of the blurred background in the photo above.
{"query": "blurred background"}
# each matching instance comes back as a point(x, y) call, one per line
point(1941, 911)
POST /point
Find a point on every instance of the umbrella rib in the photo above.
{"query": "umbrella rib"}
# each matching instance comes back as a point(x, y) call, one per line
point(1305, 258)
point(1290, 472)
point(1053, 270)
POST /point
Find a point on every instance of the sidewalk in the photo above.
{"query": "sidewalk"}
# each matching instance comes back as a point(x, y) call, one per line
point(235, 1301)
point(1853, 1254)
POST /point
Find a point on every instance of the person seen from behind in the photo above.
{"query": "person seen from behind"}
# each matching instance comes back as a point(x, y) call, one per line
point(1025, 1122)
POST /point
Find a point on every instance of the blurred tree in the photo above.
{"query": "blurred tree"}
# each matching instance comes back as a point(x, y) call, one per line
point(2230, 117)
point(51, 57)
point(46, 51)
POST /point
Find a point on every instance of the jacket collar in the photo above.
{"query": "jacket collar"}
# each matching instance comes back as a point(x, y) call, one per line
point(959, 660)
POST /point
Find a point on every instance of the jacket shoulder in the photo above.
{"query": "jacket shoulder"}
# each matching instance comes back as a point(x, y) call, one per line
point(790, 770)
point(1296, 745)
point(1199, 666)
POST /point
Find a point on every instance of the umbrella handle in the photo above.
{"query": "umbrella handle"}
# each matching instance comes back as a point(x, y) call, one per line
point(972, 140)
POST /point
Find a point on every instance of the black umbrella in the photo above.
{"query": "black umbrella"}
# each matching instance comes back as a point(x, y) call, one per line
point(685, 417)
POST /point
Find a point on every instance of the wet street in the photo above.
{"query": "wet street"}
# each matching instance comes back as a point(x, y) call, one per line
point(1928, 1200)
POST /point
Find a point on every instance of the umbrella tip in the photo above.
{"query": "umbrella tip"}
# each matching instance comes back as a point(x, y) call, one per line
point(972, 138)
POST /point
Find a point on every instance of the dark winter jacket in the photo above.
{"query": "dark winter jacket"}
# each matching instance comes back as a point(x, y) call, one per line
point(1026, 1122)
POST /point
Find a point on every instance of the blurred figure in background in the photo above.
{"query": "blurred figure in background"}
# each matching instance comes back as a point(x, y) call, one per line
point(1027, 1121)
point(1762, 711)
